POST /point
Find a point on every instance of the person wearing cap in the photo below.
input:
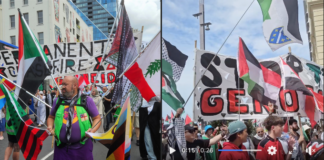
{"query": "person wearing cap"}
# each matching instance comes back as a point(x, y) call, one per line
point(41, 110)
point(208, 135)
point(203, 144)
point(237, 135)
point(300, 139)
point(271, 148)
point(307, 130)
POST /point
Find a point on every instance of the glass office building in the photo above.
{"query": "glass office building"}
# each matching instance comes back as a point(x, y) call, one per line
point(97, 14)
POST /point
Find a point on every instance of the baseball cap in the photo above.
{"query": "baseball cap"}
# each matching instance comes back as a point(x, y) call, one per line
point(208, 127)
point(306, 127)
point(235, 127)
point(189, 128)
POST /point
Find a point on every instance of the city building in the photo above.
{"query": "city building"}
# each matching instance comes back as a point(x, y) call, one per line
point(314, 25)
point(51, 21)
point(97, 14)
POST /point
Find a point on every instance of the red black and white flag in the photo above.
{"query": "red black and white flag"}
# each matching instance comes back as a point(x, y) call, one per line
point(30, 138)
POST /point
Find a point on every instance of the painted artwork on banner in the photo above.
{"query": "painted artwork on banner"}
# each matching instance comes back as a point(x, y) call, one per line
point(222, 95)
point(56, 9)
point(57, 33)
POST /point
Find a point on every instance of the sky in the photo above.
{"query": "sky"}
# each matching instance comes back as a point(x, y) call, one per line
point(181, 29)
point(145, 13)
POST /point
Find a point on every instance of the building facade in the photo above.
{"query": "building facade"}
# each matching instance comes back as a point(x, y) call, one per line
point(314, 25)
point(51, 21)
point(96, 15)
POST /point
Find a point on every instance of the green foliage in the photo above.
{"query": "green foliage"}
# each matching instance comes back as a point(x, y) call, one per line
point(153, 68)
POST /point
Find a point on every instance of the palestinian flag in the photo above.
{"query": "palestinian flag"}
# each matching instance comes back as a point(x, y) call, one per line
point(187, 120)
point(280, 22)
point(124, 50)
point(51, 87)
point(263, 84)
point(170, 94)
point(173, 60)
point(30, 138)
point(31, 67)
point(313, 100)
point(172, 116)
point(167, 118)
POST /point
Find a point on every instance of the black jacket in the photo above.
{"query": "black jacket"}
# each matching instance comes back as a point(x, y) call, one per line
point(153, 120)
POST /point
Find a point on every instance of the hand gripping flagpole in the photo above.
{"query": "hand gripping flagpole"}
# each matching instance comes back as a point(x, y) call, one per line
point(26, 91)
point(39, 49)
point(216, 55)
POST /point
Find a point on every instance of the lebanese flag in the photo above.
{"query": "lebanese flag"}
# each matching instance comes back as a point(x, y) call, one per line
point(145, 73)
point(31, 63)
point(188, 120)
point(313, 101)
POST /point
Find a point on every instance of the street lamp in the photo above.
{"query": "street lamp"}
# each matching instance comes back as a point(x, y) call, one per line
point(207, 25)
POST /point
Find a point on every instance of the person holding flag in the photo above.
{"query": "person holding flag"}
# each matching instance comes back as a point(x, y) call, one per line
point(70, 115)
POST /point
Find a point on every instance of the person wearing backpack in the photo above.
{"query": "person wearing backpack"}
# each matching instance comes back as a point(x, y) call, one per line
point(70, 115)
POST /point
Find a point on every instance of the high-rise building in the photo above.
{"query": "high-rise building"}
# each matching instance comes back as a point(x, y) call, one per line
point(97, 15)
point(314, 25)
point(50, 20)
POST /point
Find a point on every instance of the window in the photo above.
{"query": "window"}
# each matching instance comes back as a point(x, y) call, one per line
point(13, 40)
point(40, 17)
point(0, 1)
point(63, 7)
point(25, 2)
point(41, 38)
point(12, 21)
point(26, 17)
point(64, 21)
point(73, 31)
point(39, 0)
point(12, 3)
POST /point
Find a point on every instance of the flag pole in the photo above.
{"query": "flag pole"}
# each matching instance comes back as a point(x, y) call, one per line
point(108, 44)
point(38, 48)
point(217, 54)
point(27, 106)
point(25, 91)
point(111, 109)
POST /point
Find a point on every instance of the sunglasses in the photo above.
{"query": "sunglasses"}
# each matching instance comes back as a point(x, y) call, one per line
point(191, 131)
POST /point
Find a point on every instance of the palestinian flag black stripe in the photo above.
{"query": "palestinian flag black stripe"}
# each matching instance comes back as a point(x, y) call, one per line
point(32, 69)
point(175, 55)
point(249, 56)
point(293, 25)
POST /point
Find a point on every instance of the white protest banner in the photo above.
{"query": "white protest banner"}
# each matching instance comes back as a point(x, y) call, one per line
point(68, 59)
point(221, 93)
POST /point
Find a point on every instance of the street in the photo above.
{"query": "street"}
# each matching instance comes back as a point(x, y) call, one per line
point(99, 151)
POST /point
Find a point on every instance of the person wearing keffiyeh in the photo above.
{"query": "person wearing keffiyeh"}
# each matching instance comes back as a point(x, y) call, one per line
point(70, 116)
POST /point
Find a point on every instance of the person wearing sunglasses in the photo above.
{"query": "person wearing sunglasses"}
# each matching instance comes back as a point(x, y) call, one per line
point(260, 134)
point(203, 144)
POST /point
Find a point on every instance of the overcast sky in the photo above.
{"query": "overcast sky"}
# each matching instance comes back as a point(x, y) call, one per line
point(145, 13)
point(181, 29)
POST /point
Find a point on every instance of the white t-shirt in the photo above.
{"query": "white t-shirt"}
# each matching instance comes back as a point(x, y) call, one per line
point(2, 115)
